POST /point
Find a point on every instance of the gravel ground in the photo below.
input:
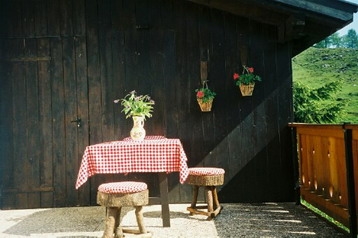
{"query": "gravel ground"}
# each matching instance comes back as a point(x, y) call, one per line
point(236, 220)
point(272, 220)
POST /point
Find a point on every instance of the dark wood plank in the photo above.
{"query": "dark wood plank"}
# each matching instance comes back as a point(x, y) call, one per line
point(106, 66)
point(119, 72)
point(40, 17)
point(46, 164)
point(66, 17)
point(79, 17)
point(6, 130)
point(28, 16)
point(94, 83)
point(82, 112)
point(13, 11)
point(70, 116)
point(33, 139)
point(58, 125)
point(54, 18)
point(21, 170)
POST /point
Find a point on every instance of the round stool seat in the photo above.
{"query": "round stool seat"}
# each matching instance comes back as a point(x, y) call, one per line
point(118, 194)
point(206, 176)
point(122, 187)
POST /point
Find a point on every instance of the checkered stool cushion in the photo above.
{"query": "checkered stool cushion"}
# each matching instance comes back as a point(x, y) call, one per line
point(205, 176)
point(122, 187)
point(206, 171)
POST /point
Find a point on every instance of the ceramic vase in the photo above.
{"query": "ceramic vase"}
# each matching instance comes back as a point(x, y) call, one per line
point(138, 132)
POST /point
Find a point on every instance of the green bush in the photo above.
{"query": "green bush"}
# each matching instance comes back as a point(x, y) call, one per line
point(319, 105)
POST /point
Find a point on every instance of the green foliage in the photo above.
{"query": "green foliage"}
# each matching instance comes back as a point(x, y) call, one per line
point(134, 105)
point(335, 40)
point(317, 105)
point(350, 40)
point(323, 43)
point(205, 93)
point(331, 74)
point(247, 76)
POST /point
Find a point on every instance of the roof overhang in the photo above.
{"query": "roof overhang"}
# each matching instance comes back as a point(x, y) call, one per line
point(303, 22)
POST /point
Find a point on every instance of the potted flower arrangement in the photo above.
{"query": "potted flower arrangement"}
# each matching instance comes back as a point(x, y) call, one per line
point(137, 107)
point(134, 105)
point(246, 81)
point(205, 97)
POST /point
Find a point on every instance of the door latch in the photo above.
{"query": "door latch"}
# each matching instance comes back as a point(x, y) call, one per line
point(78, 121)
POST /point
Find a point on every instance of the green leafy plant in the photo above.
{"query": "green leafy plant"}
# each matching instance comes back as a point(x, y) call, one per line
point(205, 93)
point(134, 105)
point(319, 105)
point(247, 76)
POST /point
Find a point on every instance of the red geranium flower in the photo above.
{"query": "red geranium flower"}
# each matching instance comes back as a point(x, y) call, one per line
point(200, 94)
point(250, 69)
point(236, 76)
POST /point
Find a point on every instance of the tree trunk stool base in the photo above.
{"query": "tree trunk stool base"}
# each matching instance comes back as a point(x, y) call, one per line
point(208, 178)
point(116, 195)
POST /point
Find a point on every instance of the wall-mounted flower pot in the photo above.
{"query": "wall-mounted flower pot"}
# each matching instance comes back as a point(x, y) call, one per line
point(247, 89)
point(205, 106)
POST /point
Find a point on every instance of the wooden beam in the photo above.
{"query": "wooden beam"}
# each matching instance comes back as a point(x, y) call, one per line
point(247, 9)
point(317, 8)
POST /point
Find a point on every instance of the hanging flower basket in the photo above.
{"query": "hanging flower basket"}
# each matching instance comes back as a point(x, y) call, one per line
point(205, 106)
point(205, 97)
point(246, 81)
point(247, 89)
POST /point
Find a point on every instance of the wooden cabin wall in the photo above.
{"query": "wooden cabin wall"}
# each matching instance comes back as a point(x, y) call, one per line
point(63, 60)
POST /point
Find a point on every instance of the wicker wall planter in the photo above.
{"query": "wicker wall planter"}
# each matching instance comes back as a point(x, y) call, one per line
point(247, 89)
point(205, 106)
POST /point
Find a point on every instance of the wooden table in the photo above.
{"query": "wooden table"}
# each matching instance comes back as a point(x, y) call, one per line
point(154, 154)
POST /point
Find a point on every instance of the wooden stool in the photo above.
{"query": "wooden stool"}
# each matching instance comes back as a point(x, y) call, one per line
point(209, 178)
point(116, 195)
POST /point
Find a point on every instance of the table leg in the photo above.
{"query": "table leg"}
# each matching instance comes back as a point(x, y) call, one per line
point(164, 198)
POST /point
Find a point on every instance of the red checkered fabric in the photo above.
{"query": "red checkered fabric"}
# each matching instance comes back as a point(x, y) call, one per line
point(206, 171)
point(122, 187)
point(163, 155)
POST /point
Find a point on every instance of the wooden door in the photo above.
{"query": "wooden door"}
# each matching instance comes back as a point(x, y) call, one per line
point(43, 93)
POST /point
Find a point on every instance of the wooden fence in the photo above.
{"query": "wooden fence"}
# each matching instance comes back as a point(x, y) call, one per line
point(328, 169)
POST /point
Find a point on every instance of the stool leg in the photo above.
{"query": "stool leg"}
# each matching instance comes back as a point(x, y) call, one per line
point(139, 216)
point(209, 197)
point(110, 222)
point(216, 199)
point(118, 227)
point(195, 196)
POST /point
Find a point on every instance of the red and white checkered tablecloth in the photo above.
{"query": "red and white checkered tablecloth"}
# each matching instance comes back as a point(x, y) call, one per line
point(154, 154)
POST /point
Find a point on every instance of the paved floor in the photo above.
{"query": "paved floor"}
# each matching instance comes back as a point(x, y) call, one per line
point(236, 220)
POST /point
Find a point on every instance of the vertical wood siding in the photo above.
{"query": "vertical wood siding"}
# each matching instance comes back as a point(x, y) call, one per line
point(63, 60)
